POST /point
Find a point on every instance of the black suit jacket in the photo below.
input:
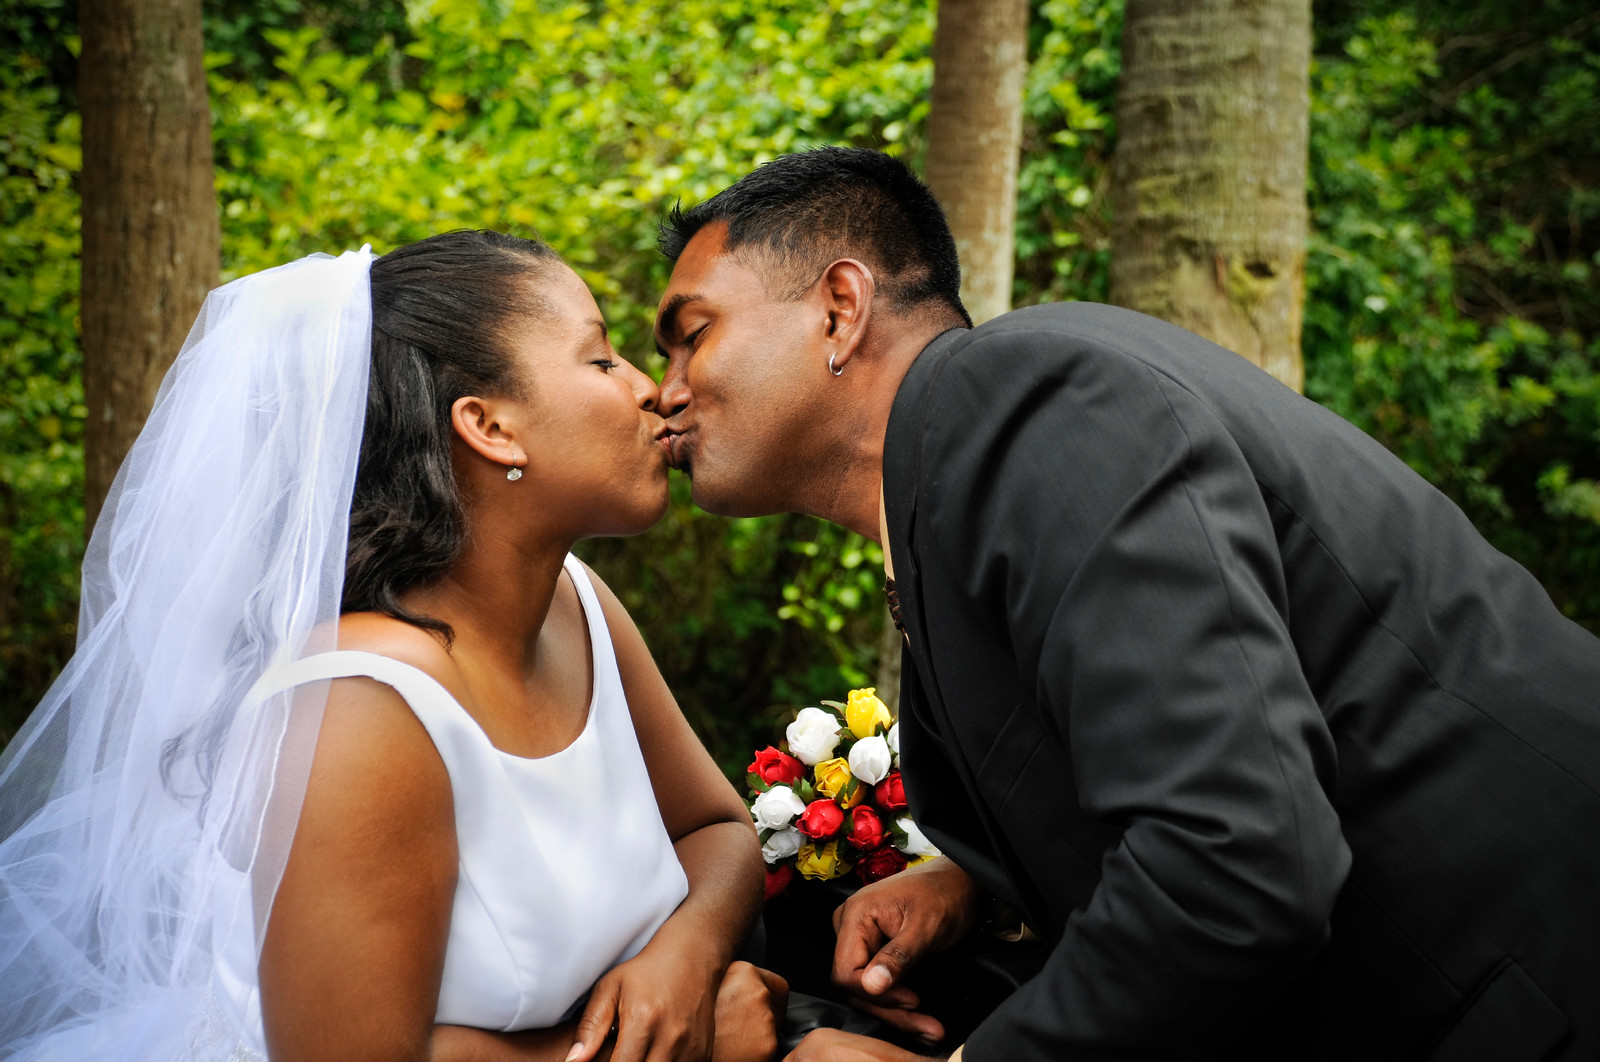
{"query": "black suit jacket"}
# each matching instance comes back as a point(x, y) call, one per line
point(1245, 717)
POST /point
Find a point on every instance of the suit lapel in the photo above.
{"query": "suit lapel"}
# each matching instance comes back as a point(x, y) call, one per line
point(902, 473)
point(902, 476)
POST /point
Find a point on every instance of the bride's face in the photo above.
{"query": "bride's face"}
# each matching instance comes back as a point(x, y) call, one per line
point(595, 455)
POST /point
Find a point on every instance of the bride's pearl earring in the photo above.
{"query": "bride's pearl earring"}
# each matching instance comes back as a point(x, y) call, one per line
point(513, 473)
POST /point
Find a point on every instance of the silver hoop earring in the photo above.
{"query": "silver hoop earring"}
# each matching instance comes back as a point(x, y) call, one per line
point(513, 473)
point(836, 371)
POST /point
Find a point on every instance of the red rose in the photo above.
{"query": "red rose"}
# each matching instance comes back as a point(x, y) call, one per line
point(821, 818)
point(776, 768)
point(890, 793)
point(866, 829)
point(778, 879)
point(880, 864)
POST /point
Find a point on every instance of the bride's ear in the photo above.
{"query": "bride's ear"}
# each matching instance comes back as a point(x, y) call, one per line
point(484, 425)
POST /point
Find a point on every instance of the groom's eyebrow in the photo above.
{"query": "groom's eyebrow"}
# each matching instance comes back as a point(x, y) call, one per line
point(667, 321)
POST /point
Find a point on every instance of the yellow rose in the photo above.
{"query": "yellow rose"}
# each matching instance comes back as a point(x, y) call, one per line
point(821, 864)
point(833, 776)
point(863, 712)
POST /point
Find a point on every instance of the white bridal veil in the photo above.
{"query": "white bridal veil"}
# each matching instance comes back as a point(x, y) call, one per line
point(147, 806)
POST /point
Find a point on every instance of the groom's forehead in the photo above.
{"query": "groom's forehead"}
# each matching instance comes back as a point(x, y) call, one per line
point(704, 253)
point(707, 272)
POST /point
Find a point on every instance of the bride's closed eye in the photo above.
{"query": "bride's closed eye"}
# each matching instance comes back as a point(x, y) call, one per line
point(605, 363)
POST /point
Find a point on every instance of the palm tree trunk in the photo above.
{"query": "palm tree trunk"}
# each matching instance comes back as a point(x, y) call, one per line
point(980, 54)
point(1209, 228)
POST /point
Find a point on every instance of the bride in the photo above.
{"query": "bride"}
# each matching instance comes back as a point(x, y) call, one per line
point(354, 759)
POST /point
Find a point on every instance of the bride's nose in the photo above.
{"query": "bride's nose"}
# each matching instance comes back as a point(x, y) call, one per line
point(645, 391)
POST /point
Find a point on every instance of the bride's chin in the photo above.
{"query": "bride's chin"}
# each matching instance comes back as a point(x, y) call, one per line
point(663, 499)
point(641, 517)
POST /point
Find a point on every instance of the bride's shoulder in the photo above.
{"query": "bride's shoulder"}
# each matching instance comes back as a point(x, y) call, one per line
point(368, 726)
point(376, 831)
point(373, 632)
point(363, 703)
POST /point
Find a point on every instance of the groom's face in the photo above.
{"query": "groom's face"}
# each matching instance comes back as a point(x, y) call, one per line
point(744, 384)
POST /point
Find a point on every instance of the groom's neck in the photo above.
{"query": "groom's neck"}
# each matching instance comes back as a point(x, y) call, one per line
point(845, 489)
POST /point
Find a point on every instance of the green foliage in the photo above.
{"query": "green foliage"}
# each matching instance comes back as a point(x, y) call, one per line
point(340, 124)
point(1063, 236)
point(836, 585)
point(583, 123)
point(236, 31)
point(41, 391)
point(747, 619)
point(1452, 309)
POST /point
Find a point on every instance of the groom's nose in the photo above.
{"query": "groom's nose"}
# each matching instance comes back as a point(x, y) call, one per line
point(674, 390)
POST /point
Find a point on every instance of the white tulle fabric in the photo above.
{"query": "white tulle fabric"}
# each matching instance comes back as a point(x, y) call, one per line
point(146, 814)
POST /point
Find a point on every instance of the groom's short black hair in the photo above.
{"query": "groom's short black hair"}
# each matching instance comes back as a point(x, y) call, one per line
point(811, 208)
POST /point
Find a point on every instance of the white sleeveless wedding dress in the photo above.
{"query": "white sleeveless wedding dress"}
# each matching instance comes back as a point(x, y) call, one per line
point(566, 869)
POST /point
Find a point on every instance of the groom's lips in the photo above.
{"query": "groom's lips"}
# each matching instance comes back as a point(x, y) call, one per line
point(675, 447)
point(669, 442)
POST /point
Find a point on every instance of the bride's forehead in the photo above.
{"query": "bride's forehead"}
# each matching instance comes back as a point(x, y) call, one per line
point(565, 293)
point(562, 316)
point(553, 299)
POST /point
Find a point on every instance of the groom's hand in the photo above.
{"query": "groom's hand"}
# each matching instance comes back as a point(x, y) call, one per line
point(750, 1006)
point(887, 926)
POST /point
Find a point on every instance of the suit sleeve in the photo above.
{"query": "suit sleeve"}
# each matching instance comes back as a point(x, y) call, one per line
point(1102, 514)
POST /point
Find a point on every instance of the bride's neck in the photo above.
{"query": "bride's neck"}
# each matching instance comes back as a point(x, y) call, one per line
point(497, 596)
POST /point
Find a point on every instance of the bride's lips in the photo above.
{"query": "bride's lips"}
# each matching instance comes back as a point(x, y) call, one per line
point(666, 439)
point(674, 441)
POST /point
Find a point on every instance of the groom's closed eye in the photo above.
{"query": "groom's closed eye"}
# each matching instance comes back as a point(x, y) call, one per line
point(667, 319)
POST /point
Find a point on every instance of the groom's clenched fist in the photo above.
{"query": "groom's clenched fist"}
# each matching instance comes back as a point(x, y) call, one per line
point(750, 1005)
point(887, 926)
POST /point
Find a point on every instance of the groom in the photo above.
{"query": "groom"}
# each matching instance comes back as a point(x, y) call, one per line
point(1247, 721)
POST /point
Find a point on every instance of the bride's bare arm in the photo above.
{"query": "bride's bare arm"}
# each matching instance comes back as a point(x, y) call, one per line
point(354, 952)
point(668, 1000)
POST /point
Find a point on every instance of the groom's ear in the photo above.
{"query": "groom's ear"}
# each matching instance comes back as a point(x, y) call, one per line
point(847, 287)
point(485, 427)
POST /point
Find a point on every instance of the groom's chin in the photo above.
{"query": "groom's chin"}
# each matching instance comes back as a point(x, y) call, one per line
point(706, 497)
point(720, 498)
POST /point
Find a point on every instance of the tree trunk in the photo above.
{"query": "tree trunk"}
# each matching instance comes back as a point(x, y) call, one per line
point(150, 229)
point(1209, 226)
point(980, 54)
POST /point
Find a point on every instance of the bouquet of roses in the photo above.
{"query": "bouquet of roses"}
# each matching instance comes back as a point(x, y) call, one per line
point(829, 799)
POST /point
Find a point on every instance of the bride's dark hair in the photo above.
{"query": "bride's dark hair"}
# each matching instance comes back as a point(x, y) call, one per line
point(440, 311)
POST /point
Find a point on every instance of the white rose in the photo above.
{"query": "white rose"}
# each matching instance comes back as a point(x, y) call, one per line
point(894, 743)
point(916, 844)
point(776, 808)
point(781, 845)
point(869, 760)
point(813, 736)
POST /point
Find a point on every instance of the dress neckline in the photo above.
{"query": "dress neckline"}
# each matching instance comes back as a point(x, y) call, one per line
point(594, 675)
point(595, 672)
